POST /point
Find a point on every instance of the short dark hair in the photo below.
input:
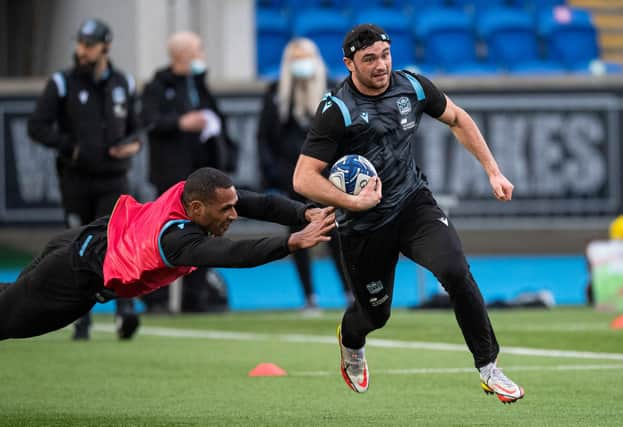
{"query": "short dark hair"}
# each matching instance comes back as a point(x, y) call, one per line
point(202, 183)
point(362, 36)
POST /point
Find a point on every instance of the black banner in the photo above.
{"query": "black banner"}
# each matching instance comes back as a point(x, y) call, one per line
point(561, 150)
point(29, 186)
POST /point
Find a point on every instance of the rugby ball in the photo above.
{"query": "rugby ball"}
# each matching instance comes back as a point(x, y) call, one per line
point(351, 173)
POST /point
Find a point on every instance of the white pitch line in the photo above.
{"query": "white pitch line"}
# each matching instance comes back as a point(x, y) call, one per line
point(371, 342)
point(427, 371)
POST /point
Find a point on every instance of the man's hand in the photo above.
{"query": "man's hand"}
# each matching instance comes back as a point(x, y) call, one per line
point(312, 214)
point(314, 232)
point(124, 151)
point(193, 121)
point(502, 187)
point(370, 195)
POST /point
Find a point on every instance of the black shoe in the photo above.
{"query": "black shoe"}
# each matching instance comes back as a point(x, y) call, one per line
point(81, 328)
point(127, 324)
point(81, 332)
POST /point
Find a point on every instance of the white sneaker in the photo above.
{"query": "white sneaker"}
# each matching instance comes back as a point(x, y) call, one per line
point(311, 311)
point(493, 381)
point(353, 366)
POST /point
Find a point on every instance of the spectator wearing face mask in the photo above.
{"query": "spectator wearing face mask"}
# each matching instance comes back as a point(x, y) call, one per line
point(289, 106)
point(187, 132)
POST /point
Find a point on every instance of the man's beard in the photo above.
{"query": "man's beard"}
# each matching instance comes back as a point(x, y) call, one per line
point(87, 70)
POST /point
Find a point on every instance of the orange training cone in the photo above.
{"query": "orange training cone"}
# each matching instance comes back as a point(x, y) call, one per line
point(617, 323)
point(267, 370)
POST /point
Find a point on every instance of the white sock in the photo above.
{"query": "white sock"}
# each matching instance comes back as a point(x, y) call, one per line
point(485, 370)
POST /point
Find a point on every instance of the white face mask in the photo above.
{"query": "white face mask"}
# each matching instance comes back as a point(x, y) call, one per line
point(198, 66)
point(303, 68)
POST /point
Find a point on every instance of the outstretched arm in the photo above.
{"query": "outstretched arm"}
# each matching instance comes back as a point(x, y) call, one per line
point(468, 134)
point(271, 207)
point(191, 246)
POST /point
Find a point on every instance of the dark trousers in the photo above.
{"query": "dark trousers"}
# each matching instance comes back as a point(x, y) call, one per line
point(50, 293)
point(86, 198)
point(302, 258)
point(422, 233)
point(302, 261)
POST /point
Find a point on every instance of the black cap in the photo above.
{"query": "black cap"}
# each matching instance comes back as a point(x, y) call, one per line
point(362, 36)
point(93, 31)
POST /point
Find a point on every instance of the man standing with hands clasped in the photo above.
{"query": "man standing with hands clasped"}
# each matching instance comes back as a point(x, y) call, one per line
point(375, 113)
point(86, 113)
point(188, 131)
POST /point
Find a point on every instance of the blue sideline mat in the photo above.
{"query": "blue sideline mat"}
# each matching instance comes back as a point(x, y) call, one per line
point(275, 286)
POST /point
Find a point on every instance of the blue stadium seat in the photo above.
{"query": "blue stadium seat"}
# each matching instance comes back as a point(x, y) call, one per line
point(419, 5)
point(511, 39)
point(297, 5)
point(478, 6)
point(273, 33)
point(537, 5)
point(398, 28)
point(327, 29)
point(446, 36)
point(570, 36)
point(402, 5)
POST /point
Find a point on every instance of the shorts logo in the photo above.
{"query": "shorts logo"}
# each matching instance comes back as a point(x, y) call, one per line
point(374, 302)
point(404, 105)
point(374, 287)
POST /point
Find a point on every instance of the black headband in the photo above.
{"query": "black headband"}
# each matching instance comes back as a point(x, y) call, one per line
point(362, 36)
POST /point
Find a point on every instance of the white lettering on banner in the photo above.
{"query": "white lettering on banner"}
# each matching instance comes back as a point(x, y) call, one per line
point(585, 134)
point(466, 176)
point(36, 174)
point(544, 154)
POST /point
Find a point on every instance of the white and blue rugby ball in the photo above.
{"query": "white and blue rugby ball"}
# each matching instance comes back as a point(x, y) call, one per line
point(351, 173)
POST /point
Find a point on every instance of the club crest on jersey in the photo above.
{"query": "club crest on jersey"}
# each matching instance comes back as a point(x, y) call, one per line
point(404, 105)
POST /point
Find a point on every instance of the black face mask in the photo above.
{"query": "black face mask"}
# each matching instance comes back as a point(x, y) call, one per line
point(86, 70)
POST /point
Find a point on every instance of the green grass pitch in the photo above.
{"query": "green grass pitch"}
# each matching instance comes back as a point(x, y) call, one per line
point(192, 371)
